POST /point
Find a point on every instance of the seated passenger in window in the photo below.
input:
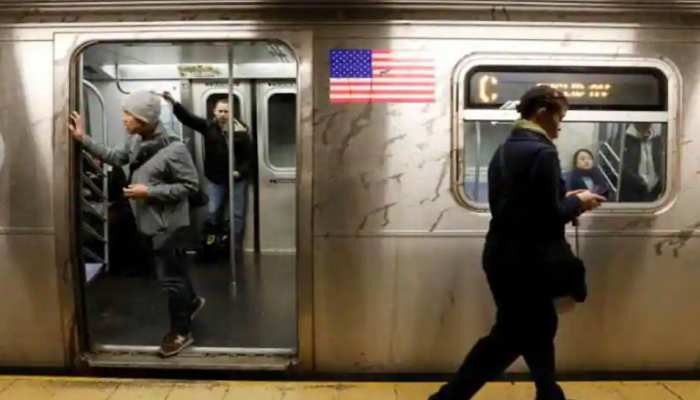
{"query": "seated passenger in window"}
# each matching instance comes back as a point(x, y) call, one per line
point(585, 175)
point(643, 163)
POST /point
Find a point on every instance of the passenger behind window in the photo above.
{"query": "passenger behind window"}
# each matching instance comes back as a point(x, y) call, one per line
point(643, 163)
point(585, 174)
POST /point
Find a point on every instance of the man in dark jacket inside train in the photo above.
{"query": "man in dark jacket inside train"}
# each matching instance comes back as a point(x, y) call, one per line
point(529, 210)
point(643, 163)
point(216, 166)
point(162, 176)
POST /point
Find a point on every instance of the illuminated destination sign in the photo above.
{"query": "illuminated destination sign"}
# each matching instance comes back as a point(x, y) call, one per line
point(592, 88)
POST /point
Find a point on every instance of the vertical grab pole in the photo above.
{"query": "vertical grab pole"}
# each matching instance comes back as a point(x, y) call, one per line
point(231, 166)
point(622, 162)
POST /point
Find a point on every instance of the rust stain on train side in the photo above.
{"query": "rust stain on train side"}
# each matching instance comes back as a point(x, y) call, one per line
point(384, 209)
point(676, 243)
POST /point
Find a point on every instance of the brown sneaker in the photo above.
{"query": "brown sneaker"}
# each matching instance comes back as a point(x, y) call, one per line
point(174, 343)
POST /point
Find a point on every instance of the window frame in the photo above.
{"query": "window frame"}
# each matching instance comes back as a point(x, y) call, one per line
point(266, 143)
point(540, 62)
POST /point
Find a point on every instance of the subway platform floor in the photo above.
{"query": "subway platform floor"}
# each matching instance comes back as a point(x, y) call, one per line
point(77, 388)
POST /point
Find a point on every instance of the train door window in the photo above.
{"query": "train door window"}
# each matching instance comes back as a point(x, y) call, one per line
point(614, 140)
point(250, 299)
point(282, 130)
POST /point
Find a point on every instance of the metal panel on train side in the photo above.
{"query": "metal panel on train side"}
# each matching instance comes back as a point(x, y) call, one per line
point(501, 8)
point(30, 327)
point(397, 261)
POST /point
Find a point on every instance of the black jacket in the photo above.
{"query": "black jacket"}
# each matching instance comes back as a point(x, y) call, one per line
point(633, 188)
point(527, 201)
point(216, 147)
point(529, 211)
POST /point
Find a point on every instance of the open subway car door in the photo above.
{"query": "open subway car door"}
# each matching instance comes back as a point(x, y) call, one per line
point(250, 319)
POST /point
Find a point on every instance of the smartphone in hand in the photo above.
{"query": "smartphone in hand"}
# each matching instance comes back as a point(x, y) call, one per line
point(601, 190)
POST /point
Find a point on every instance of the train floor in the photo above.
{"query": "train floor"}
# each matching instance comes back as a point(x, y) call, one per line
point(58, 388)
point(260, 313)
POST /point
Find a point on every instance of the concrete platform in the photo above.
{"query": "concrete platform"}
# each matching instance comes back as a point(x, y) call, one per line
point(70, 388)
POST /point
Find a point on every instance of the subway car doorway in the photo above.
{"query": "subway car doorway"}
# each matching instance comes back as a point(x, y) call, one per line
point(233, 105)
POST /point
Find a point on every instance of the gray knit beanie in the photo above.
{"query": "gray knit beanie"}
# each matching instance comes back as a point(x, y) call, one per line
point(143, 105)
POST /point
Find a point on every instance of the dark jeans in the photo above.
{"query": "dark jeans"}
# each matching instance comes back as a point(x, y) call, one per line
point(174, 279)
point(218, 195)
point(526, 323)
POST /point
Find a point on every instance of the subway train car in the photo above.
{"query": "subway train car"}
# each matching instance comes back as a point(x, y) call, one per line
point(372, 124)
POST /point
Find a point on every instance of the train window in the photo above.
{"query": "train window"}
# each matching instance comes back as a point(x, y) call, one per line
point(614, 139)
point(282, 130)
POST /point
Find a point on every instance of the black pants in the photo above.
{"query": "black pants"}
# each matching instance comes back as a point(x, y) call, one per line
point(130, 253)
point(174, 279)
point(526, 323)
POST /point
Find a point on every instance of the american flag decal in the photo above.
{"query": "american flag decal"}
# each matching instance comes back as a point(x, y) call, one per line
point(381, 76)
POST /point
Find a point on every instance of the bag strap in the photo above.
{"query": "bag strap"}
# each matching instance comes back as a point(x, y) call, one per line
point(148, 152)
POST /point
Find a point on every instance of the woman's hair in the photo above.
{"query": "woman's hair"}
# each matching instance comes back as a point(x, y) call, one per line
point(575, 159)
point(541, 97)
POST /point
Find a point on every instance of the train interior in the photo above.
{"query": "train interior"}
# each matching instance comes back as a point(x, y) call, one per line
point(603, 139)
point(250, 300)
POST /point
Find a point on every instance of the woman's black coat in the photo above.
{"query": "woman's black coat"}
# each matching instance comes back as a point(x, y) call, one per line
point(528, 205)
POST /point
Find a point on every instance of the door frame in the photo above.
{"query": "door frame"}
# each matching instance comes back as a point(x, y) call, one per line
point(68, 44)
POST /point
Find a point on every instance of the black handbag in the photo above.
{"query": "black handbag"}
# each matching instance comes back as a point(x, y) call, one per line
point(560, 272)
point(198, 199)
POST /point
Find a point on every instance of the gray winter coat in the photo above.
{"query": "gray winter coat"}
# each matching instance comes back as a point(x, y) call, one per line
point(170, 176)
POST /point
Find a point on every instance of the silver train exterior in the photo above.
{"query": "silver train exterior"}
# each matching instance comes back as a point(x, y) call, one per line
point(388, 263)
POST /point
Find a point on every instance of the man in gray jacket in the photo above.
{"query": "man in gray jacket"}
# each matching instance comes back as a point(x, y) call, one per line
point(162, 176)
